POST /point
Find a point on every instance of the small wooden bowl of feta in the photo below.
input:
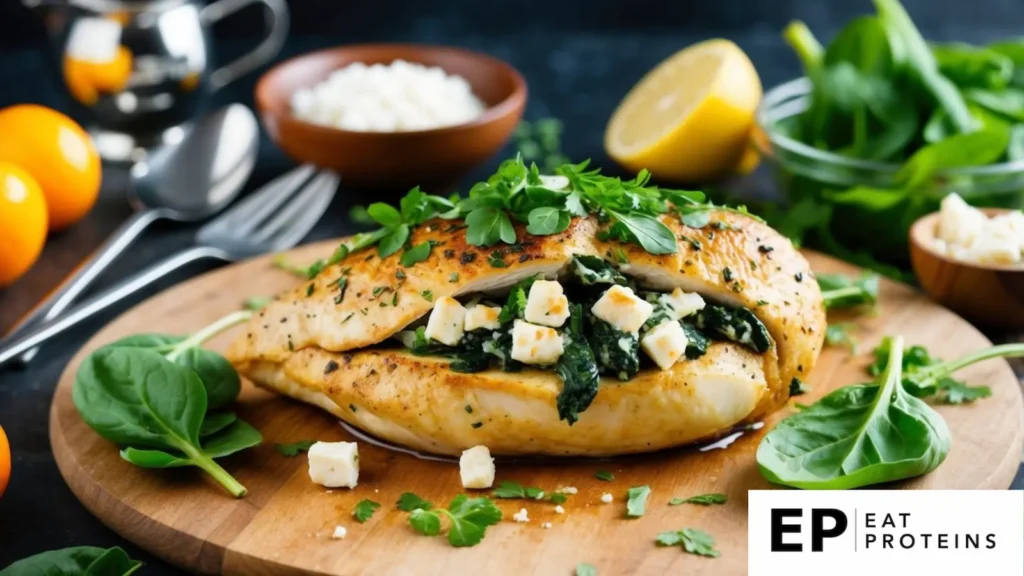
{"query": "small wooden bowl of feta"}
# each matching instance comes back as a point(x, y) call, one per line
point(392, 115)
point(971, 260)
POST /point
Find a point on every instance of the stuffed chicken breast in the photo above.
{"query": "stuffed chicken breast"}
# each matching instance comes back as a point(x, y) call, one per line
point(586, 340)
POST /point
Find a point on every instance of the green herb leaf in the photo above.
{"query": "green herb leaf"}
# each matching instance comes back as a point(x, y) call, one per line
point(840, 291)
point(840, 334)
point(426, 522)
point(416, 254)
point(364, 510)
point(636, 501)
point(470, 518)
point(703, 500)
point(604, 476)
point(547, 220)
point(384, 214)
point(649, 232)
point(295, 448)
point(408, 502)
point(509, 489)
point(256, 303)
point(394, 241)
point(692, 540)
point(584, 569)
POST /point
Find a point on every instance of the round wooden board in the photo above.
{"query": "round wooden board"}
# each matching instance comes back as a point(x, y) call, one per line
point(285, 523)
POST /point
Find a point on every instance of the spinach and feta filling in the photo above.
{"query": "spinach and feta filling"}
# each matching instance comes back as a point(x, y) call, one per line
point(594, 324)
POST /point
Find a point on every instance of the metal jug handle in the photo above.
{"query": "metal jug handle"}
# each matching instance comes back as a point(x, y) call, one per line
point(276, 13)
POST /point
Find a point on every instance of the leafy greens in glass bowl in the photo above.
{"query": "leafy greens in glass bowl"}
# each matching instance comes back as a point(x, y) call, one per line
point(882, 127)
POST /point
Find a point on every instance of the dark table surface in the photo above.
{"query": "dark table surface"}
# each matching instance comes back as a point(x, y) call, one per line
point(576, 77)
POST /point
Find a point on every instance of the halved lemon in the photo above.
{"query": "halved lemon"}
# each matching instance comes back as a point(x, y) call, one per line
point(690, 118)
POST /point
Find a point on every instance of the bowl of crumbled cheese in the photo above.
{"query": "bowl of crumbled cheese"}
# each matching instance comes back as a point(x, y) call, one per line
point(392, 115)
point(972, 261)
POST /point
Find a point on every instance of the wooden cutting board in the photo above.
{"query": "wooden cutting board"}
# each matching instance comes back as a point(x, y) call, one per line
point(284, 525)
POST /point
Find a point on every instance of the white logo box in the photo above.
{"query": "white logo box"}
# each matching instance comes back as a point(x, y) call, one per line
point(906, 532)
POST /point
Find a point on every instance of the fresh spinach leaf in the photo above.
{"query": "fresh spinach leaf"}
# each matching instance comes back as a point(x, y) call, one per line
point(577, 367)
point(216, 422)
point(77, 561)
point(857, 436)
point(736, 324)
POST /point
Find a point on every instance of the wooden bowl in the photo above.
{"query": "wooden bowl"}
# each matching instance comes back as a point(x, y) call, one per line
point(986, 294)
point(437, 157)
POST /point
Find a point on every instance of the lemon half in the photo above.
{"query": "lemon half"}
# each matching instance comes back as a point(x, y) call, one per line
point(690, 118)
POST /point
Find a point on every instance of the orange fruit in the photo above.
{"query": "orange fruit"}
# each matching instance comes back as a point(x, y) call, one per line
point(5, 461)
point(112, 76)
point(55, 151)
point(23, 223)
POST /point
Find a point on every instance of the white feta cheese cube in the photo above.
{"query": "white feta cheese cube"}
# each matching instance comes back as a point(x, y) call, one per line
point(532, 344)
point(334, 464)
point(547, 305)
point(665, 343)
point(476, 467)
point(621, 308)
point(682, 303)
point(959, 223)
point(480, 316)
point(446, 321)
point(339, 532)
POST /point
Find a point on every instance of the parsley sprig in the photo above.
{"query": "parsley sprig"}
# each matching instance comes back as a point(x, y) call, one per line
point(514, 490)
point(629, 209)
point(468, 519)
point(692, 540)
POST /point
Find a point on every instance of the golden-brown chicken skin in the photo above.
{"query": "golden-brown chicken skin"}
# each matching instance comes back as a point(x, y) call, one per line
point(734, 260)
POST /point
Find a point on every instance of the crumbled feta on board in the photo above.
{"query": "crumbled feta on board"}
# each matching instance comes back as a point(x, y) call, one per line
point(476, 467)
point(339, 532)
point(334, 464)
point(532, 344)
point(481, 316)
point(547, 305)
point(621, 308)
point(665, 343)
point(964, 233)
point(446, 321)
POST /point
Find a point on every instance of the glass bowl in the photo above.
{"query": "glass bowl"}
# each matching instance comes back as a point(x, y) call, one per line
point(878, 226)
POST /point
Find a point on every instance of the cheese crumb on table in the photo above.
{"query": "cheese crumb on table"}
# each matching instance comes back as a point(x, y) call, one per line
point(567, 489)
point(334, 464)
point(621, 308)
point(401, 96)
point(446, 321)
point(476, 467)
point(966, 234)
point(546, 525)
point(339, 532)
point(559, 510)
point(532, 344)
point(521, 516)
point(547, 305)
point(606, 498)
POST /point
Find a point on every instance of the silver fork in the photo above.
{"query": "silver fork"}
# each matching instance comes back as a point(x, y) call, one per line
point(272, 219)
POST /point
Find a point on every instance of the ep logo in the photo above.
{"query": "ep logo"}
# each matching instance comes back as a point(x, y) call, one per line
point(823, 523)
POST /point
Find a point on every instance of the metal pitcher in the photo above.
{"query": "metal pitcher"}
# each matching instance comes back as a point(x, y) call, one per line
point(136, 70)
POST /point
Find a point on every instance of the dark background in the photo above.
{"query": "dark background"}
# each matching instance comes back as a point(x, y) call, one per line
point(579, 59)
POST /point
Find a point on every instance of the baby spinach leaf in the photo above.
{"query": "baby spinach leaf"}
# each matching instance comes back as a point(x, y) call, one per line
point(235, 438)
point(1015, 149)
point(968, 65)
point(973, 149)
point(80, 560)
point(857, 436)
point(862, 43)
point(135, 397)
point(1008, 102)
point(154, 458)
point(214, 423)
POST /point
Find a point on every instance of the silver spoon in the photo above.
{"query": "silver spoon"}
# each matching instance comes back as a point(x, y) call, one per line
point(186, 181)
